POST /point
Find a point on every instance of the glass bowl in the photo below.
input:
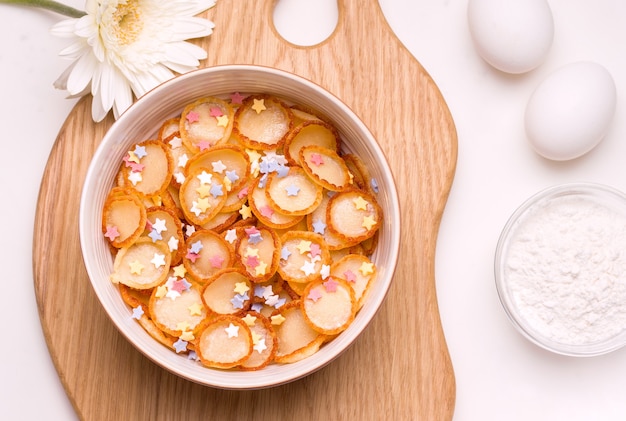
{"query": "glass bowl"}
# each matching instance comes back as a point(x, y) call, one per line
point(560, 269)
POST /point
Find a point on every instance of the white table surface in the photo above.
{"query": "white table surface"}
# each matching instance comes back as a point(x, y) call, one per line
point(499, 374)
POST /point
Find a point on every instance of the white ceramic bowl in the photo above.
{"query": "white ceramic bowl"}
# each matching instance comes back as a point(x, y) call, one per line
point(560, 269)
point(142, 121)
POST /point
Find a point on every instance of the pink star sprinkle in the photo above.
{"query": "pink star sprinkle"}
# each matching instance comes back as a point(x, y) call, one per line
point(204, 145)
point(331, 285)
point(316, 250)
point(216, 261)
point(112, 233)
point(266, 211)
point(251, 231)
point(135, 167)
point(252, 261)
point(236, 98)
point(314, 295)
point(317, 159)
point(216, 112)
point(179, 285)
point(242, 193)
point(350, 276)
point(193, 117)
point(192, 256)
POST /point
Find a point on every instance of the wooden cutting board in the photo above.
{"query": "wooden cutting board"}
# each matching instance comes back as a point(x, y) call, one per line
point(399, 369)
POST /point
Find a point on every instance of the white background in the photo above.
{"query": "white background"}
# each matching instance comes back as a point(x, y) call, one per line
point(499, 374)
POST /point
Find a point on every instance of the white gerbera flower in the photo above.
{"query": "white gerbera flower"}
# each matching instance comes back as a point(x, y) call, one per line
point(126, 47)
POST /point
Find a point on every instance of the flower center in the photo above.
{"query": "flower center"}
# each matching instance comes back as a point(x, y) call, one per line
point(127, 22)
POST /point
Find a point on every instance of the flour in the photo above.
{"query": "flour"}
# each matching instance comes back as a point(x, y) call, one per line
point(566, 270)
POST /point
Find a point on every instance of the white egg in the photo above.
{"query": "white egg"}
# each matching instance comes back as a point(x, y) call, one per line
point(513, 36)
point(570, 111)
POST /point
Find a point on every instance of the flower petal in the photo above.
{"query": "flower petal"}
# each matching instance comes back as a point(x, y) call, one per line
point(81, 74)
point(64, 28)
point(186, 28)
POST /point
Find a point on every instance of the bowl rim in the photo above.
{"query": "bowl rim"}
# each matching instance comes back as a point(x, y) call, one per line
point(559, 190)
point(245, 380)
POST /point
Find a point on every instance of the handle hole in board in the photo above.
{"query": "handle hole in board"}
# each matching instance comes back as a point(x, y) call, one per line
point(305, 22)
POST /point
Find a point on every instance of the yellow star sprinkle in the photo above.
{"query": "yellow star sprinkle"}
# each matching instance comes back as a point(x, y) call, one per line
point(241, 288)
point(228, 184)
point(251, 251)
point(204, 190)
point(161, 291)
point(195, 309)
point(260, 269)
point(249, 319)
point(255, 337)
point(136, 267)
point(182, 326)
point(368, 222)
point(360, 203)
point(203, 204)
point(223, 120)
point(245, 212)
point(259, 105)
point(253, 155)
point(367, 268)
point(180, 271)
point(304, 246)
point(277, 319)
point(132, 157)
point(187, 336)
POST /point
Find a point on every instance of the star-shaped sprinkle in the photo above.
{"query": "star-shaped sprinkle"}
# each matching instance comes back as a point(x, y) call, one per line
point(251, 251)
point(304, 246)
point(193, 356)
point(255, 238)
point(135, 167)
point(196, 247)
point(231, 236)
point(266, 211)
point(195, 309)
point(189, 230)
point(222, 121)
point(315, 250)
point(349, 276)
point(175, 142)
point(241, 287)
point(285, 253)
point(360, 203)
point(182, 326)
point(172, 243)
point(242, 193)
point(232, 176)
point(182, 160)
point(201, 204)
point(292, 190)
point(282, 171)
point(135, 177)
point(180, 285)
point(112, 232)
point(203, 145)
point(317, 159)
point(137, 312)
point(308, 268)
point(135, 267)
point(180, 346)
point(260, 346)
point(277, 319)
point(272, 300)
point(252, 261)
point(367, 268)
point(325, 271)
point(232, 331)
point(260, 269)
point(216, 112)
point(187, 335)
point(368, 222)
point(256, 307)
point(203, 190)
point(180, 271)
point(192, 117)
point(245, 212)
point(159, 225)
point(238, 300)
point(179, 177)
point(192, 256)
point(218, 166)
point(374, 185)
point(205, 177)
point(319, 227)
point(130, 157)
point(216, 261)
point(155, 236)
point(158, 260)
point(314, 295)
point(249, 319)
point(140, 151)
point(330, 285)
point(259, 105)
point(161, 291)
point(251, 230)
point(216, 190)
point(236, 98)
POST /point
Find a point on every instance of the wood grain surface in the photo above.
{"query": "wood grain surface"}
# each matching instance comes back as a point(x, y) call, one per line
point(399, 369)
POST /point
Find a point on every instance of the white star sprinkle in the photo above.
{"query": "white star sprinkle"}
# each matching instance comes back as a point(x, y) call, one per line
point(134, 177)
point(158, 260)
point(218, 167)
point(232, 330)
point(231, 236)
point(205, 177)
point(173, 243)
point(159, 225)
point(308, 268)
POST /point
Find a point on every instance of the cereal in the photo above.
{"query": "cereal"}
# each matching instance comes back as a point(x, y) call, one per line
point(243, 232)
